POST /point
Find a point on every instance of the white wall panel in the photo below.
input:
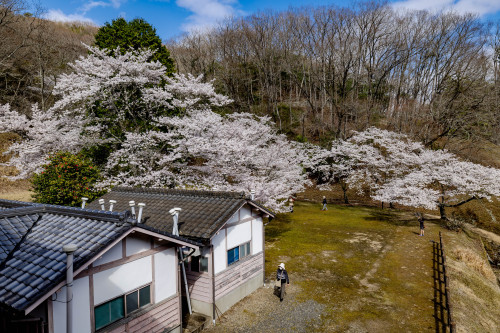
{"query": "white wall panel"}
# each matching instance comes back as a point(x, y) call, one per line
point(220, 259)
point(165, 274)
point(117, 281)
point(137, 244)
point(239, 234)
point(112, 254)
point(245, 212)
point(234, 218)
point(257, 226)
point(81, 307)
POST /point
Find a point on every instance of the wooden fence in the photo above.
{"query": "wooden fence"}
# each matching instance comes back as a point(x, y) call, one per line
point(451, 323)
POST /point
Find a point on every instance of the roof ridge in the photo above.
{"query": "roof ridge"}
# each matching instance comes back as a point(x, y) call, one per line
point(180, 192)
point(18, 244)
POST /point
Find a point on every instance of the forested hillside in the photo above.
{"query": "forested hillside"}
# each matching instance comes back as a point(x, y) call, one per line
point(34, 52)
point(322, 72)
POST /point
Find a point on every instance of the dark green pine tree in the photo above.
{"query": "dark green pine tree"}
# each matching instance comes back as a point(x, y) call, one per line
point(135, 34)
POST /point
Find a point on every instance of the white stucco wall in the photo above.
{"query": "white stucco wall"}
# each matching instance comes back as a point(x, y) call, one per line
point(234, 218)
point(239, 234)
point(81, 307)
point(117, 281)
point(165, 274)
point(115, 253)
point(137, 243)
point(220, 259)
point(257, 226)
point(245, 212)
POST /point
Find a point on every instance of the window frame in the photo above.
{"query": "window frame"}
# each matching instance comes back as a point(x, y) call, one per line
point(239, 247)
point(197, 267)
point(124, 298)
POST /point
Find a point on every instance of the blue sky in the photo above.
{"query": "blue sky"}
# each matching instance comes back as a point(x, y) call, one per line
point(174, 17)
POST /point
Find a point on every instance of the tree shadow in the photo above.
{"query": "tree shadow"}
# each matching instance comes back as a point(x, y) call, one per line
point(277, 226)
point(390, 217)
point(440, 311)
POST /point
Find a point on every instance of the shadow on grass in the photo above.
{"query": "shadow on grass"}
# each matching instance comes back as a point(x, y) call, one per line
point(277, 227)
point(391, 217)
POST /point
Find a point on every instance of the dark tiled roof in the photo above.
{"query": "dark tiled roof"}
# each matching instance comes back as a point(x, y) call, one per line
point(31, 259)
point(203, 212)
point(7, 204)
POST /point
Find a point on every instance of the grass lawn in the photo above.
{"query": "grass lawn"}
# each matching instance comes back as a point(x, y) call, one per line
point(367, 266)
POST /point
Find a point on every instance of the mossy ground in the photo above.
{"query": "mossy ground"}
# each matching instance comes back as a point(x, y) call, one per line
point(367, 268)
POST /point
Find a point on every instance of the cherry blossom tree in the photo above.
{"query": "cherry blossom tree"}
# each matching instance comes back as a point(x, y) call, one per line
point(399, 170)
point(162, 130)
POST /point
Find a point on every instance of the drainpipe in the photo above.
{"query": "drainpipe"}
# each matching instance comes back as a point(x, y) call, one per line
point(141, 206)
point(175, 215)
point(84, 201)
point(132, 207)
point(101, 202)
point(111, 204)
point(69, 249)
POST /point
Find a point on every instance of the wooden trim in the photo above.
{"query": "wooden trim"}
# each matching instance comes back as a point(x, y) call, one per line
point(50, 315)
point(263, 252)
point(91, 302)
point(153, 281)
point(109, 265)
point(225, 245)
point(251, 236)
point(245, 220)
point(170, 239)
point(177, 278)
point(212, 256)
point(124, 248)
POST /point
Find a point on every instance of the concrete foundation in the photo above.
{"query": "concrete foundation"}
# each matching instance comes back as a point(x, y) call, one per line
point(227, 301)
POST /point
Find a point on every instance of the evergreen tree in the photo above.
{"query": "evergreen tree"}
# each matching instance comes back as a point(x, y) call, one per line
point(136, 34)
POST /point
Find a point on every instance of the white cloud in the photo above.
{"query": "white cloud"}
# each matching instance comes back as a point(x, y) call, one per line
point(206, 13)
point(481, 7)
point(58, 16)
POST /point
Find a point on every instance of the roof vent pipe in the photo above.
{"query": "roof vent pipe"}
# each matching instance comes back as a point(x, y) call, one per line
point(252, 195)
point(111, 203)
point(69, 249)
point(101, 202)
point(141, 206)
point(175, 214)
point(84, 201)
point(132, 207)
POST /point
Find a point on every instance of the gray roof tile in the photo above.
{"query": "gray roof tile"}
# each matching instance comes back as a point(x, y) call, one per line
point(203, 212)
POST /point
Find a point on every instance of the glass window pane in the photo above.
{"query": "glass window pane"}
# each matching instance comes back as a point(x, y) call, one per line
point(248, 248)
point(195, 264)
point(203, 264)
point(144, 296)
point(101, 314)
point(116, 309)
point(233, 255)
point(132, 302)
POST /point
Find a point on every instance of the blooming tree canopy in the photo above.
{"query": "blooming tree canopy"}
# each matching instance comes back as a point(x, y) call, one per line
point(402, 171)
point(162, 130)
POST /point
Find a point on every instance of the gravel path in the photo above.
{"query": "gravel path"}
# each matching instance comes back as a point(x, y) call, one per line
point(263, 312)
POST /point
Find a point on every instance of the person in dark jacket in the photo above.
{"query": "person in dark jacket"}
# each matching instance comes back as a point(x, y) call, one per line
point(324, 204)
point(422, 225)
point(282, 275)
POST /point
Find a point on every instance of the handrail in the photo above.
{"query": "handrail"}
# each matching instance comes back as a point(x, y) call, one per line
point(451, 323)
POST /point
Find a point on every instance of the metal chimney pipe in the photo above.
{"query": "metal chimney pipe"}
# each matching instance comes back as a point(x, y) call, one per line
point(175, 214)
point(132, 207)
point(252, 195)
point(141, 206)
point(101, 202)
point(69, 249)
point(84, 201)
point(111, 203)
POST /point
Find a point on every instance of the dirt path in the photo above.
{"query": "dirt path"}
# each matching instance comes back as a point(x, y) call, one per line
point(352, 270)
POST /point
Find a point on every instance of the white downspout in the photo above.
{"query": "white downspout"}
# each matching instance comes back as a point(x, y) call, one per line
point(69, 249)
point(175, 230)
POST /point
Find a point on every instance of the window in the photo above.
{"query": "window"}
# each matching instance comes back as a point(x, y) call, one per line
point(114, 310)
point(199, 264)
point(238, 253)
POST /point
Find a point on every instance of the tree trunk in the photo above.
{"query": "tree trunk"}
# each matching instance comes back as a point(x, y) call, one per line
point(442, 212)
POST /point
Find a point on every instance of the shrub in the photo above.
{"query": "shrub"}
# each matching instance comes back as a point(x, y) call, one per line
point(65, 180)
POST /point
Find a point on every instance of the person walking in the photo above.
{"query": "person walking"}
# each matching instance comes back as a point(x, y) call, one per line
point(282, 275)
point(324, 204)
point(422, 225)
point(290, 204)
